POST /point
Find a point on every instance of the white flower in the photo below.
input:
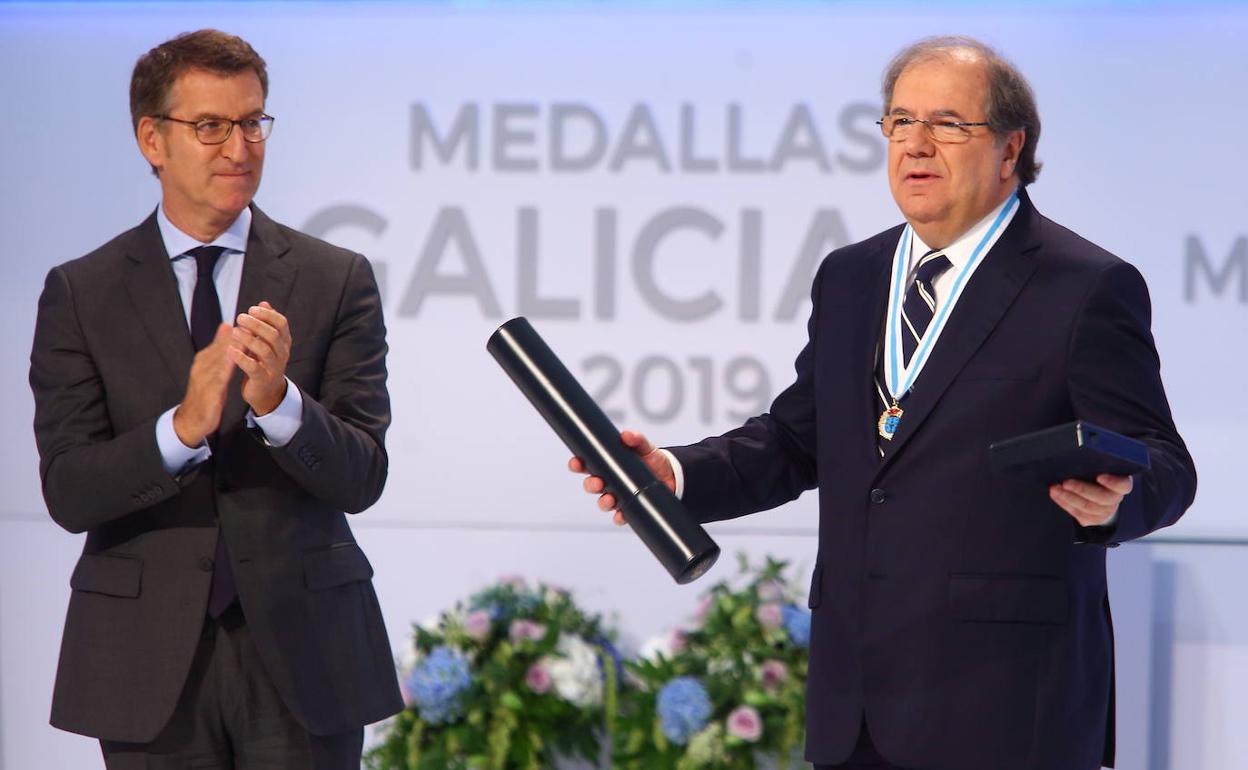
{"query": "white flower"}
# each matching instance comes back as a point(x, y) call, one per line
point(717, 666)
point(554, 594)
point(574, 671)
point(407, 658)
point(431, 623)
point(657, 645)
point(666, 644)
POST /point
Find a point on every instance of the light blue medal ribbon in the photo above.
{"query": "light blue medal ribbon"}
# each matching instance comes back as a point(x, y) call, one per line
point(891, 418)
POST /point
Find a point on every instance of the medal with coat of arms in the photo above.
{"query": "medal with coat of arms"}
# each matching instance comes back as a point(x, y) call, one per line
point(890, 418)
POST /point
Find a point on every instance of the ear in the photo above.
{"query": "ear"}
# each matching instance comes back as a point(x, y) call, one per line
point(1010, 153)
point(151, 141)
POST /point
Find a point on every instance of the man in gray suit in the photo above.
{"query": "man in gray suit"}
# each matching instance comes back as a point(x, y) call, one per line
point(210, 393)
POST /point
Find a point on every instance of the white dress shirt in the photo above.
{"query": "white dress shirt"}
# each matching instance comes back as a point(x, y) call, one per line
point(278, 426)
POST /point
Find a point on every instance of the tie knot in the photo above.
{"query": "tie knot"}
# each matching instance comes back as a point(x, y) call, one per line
point(206, 258)
point(931, 265)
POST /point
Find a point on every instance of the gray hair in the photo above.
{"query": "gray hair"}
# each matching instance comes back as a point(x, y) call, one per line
point(1011, 103)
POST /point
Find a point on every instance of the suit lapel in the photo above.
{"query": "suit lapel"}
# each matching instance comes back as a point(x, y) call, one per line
point(866, 343)
point(153, 291)
point(984, 301)
point(267, 275)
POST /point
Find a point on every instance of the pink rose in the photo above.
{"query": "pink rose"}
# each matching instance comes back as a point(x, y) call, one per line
point(745, 724)
point(771, 591)
point(774, 674)
point(769, 615)
point(477, 624)
point(704, 608)
point(522, 630)
point(677, 640)
point(517, 582)
point(538, 679)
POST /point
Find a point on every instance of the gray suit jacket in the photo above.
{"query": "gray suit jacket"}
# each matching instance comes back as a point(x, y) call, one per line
point(111, 353)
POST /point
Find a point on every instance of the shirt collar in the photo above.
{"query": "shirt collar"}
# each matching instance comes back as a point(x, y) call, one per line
point(178, 243)
point(959, 252)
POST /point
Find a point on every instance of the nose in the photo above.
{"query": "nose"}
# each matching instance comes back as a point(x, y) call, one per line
point(919, 143)
point(235, 148)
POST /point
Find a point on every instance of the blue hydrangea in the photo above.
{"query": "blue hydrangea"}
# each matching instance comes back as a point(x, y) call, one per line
point(797, 623)
point(505, 602)
point(527, 604)
point(684, 708)
point(437, 685)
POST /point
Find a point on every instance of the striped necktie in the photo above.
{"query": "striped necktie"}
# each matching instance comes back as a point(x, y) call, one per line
point(920, 303)
point(917, 310)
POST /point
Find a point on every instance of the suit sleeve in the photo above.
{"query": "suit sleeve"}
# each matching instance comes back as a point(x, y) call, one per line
point(90, 474)
point(769, 460)
point(338, 454)
point(1115, 382)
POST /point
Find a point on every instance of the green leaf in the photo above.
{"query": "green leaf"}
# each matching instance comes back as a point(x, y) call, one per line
point(512, 701)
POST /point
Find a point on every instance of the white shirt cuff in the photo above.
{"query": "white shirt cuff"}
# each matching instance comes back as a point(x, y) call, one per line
point(677, 471)
point(280, 425)
point(176, 456)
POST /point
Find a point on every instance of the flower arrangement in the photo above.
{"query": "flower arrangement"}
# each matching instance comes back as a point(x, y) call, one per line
point(513, 678)
point(726, 691)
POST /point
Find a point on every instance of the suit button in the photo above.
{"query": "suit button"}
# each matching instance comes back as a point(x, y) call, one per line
point(878, 496)
point(223, 487)
point(205, 564)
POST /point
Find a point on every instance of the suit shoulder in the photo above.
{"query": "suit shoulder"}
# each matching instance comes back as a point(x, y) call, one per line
point(864, 254)
point(315, 248)
point(103, 259)
point(869, 247)
point(1065, 248)
point(1089, 271)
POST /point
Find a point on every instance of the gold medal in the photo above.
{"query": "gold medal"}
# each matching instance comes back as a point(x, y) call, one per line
point(890, 418)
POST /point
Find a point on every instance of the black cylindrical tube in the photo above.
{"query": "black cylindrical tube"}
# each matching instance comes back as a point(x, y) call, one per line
point(655, 514)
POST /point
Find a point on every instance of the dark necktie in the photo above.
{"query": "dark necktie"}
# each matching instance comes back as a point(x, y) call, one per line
point(917, 310)
point(205, 318)
point(920, 303)
point(205, 305)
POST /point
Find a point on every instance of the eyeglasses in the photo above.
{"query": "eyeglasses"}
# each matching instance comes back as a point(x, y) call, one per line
point(218, 130)
point(898, 128)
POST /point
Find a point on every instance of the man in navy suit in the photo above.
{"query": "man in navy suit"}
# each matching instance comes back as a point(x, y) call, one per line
point(960, 616)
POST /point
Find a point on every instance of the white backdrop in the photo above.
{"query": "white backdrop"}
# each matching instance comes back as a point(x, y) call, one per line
point(653, 188)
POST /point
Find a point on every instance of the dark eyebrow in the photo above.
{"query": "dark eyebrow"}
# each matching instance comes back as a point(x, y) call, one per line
point(947, 114)
point(213, 116)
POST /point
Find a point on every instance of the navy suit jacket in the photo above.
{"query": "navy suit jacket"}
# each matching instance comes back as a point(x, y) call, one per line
point(959, 609)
